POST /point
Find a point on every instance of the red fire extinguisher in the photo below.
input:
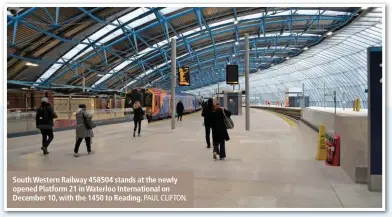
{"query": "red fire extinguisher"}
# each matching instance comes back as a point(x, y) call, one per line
point(333, 151)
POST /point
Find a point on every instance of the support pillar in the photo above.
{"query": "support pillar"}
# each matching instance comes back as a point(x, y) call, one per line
point(247, 115)
point(173, 83)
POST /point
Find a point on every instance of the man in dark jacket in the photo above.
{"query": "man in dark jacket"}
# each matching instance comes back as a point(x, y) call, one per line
point(219, 131)
point(44, 122)
point(180, 110)
point(206, 113)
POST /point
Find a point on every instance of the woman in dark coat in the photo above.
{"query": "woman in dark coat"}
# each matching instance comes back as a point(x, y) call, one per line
point(82, 132)
point(44, 122)
point(180, 110)
point(206, 113)
point(138, 115)
point(219, 131)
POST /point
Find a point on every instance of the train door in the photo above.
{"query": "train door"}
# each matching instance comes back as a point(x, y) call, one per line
point(149, 101)
point(157, 103)
point(170, 103)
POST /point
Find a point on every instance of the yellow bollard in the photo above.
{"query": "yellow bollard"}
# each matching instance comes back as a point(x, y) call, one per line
point(358, 105)
point(354, 105)
point(321, 146)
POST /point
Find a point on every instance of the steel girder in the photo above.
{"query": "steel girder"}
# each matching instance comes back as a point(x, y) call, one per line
point(185, 42)
point(210, 49)
point(160, 20)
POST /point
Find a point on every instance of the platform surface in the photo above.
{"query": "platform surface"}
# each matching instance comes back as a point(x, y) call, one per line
point(272, 165)
point(341, 111)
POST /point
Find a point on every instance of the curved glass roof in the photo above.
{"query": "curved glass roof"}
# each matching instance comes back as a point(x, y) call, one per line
point(207, 40)
point(338, 64)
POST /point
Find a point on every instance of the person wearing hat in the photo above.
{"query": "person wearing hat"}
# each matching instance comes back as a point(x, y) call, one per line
point(44, 122)
point(84, 129)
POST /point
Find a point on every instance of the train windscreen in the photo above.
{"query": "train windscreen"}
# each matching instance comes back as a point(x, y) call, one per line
point(128, 101)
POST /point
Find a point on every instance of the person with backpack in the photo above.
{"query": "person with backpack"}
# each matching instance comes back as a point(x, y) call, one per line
point(206, 113)
point(44, 122)
point(180, 110)
point(84, 129)
point(138, 116)
point(219, 131)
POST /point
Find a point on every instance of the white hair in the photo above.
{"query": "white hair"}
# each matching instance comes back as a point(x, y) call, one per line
point(45, 100)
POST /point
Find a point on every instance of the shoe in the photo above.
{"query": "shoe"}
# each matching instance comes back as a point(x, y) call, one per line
point(208, 146)
point(215, 155)
point(76, 155)
point(138, 135)
point(222, 158)
point(45, 150)
point(91, 152)
point(133, 134)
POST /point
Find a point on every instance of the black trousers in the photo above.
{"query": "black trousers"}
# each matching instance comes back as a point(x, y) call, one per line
point(219, 148)
point(179, 116)
point(88, 144)
point(208, 131)
point(137, 122)
point(47, 137)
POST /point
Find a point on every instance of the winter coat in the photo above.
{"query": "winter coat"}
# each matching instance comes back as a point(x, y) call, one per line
point(219, 131)
point(44, 117)
point(206, 113)
point(180, 108)
point(81, 129)
point(138, 114)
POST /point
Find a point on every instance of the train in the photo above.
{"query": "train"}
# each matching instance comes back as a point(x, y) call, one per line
point(158, 102)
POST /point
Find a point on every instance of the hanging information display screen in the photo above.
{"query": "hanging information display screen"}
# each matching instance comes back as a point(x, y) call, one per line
point(183, 76)
point(231, 74)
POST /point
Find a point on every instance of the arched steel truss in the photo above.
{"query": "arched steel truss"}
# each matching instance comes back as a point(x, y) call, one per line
point(206, 46)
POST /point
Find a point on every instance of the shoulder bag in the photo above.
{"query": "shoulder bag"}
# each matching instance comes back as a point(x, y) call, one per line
point(89, 123)
point(228, 122)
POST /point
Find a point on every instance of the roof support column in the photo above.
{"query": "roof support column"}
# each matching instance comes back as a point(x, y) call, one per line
point(173, 83)
point(247, 115)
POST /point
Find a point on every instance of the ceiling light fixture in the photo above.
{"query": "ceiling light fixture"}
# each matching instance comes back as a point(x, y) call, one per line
point(235, 22)
point(237, 43)
point(100, 75)
point(305, 48)
point(287, 58)
point(329, 33)
point(233, 55)
point(31, 64)
point(364, 8)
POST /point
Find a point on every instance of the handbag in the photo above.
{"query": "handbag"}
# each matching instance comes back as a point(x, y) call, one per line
point(228, 122)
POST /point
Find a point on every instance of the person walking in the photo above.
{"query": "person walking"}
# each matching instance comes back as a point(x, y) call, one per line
point(84, 129)
point(219, 131)
point(44, 122)
point(138, 116)
point(206, 113)
point(149, 115)
point(180, 110)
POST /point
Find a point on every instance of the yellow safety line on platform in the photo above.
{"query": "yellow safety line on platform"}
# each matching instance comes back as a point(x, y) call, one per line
point(167, 119)
point(288, 120)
